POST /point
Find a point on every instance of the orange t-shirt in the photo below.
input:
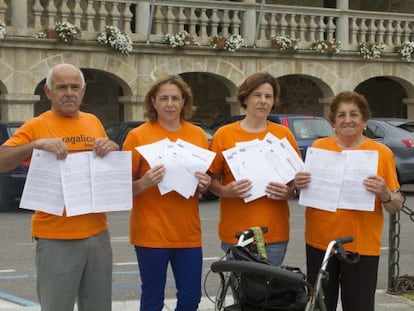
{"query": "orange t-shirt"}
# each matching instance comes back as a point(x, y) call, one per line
point(235, 214)
point(365, 227)
point(169, 220)
point(78, 134)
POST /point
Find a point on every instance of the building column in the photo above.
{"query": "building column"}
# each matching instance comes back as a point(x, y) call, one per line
point(410, 107)
point(143, 19)
point(342, 24)
point(248, 30)
point(325, 102)
point(17, 107)
point(19, 17)
point(234, 104)
point(133, 108)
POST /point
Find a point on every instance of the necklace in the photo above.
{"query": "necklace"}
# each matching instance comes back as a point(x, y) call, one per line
point(352, 145)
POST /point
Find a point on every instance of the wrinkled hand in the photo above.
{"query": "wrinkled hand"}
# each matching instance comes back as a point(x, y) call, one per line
point(377, 185)
point(204, 181)
point(55, 145)
point(302, 180)
point(102, 146)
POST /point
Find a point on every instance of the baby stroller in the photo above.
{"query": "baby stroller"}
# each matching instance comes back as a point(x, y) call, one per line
point(255, 284)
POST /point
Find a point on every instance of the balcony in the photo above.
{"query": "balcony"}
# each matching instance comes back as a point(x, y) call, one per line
point(147, 21)
point(118, 83)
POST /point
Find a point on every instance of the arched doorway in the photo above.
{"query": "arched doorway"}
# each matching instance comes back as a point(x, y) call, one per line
point(210, 92)
point(385, 97)
point(301, 94)
point(101, 98)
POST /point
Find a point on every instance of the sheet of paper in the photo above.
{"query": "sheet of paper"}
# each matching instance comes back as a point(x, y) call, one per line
point(76, 181)
point(284, 159)
point(154, 154)
point(182, 159)
point(359, 165)
point(254, 167)
point(111, 178)
point(43, 188)
point(326, 169)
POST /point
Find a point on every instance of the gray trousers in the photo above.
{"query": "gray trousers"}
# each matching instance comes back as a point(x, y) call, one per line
point(70, 270)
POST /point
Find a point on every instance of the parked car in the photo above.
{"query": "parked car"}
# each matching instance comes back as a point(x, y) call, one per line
point(118, 132)
point(398, 135)
point(305, 128)
point(12, 182)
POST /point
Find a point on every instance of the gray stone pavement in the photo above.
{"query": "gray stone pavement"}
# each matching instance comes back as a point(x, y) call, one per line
point(384, 302)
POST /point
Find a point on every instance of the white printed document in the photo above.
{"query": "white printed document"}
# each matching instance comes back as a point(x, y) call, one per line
point(87, 183)
point(181, 160)
point(337, 179)
point(326, 169)
point(262, 162)
point(43, 188)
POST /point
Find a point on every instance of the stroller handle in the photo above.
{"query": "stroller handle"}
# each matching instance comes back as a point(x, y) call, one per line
point(256, 268)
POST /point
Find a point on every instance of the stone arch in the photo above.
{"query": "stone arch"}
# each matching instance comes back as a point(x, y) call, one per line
point(213, 95)
point(385, 96)
point(6, 77)
point(401, 73)
point(122, 72)
point(322, 75)
point(103, 92)
point(302, 94)
point(220, 67)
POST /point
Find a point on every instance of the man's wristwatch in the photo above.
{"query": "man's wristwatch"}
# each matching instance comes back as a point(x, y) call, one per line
point(391, 197)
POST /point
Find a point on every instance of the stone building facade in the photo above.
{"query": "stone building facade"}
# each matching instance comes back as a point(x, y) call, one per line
point(117, 83)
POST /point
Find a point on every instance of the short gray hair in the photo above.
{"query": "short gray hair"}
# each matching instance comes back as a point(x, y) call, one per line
point(51, 72)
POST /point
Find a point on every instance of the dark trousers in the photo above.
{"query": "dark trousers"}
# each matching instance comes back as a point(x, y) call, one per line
point(186, 265)
point(357, 281)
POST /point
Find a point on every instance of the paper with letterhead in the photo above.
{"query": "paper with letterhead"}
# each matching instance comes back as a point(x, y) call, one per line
point(43, 187)
point(181, 160)
point(326, 169)
point(262, 162)
point(254, 167)
point(359, 165)
point(88, 184)
point(154, 154)
point(285, 160)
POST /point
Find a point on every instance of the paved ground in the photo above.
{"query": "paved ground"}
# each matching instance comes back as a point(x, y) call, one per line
point(384, 302)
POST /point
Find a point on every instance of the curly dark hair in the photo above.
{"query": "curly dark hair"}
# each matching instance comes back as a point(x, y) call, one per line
point(349, 97)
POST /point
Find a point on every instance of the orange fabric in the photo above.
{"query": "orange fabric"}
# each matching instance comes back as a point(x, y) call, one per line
point(235, 214)
point(365, 227)
point(79, 135)
point(170, 220)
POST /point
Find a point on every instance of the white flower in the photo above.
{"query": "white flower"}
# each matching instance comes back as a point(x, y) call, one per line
point(2, 30)
point(41, 34)
point(326, 46)
point(234, 42)
point(371, 50)
point(285, 43)
point(177, 40)
point(406, 50)
point(116, 39)
point(67, 31)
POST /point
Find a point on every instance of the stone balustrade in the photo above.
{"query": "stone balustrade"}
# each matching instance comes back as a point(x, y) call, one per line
point(148, 21)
